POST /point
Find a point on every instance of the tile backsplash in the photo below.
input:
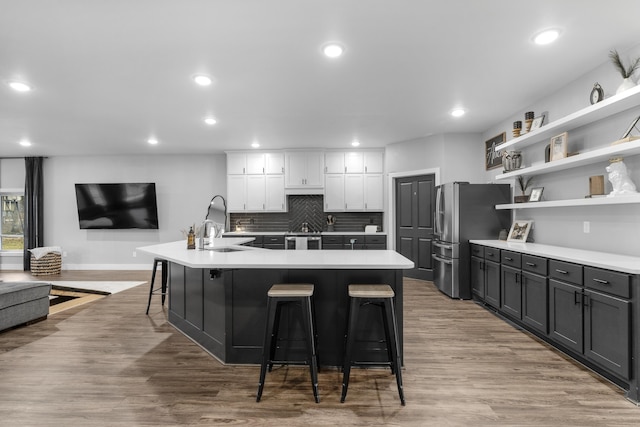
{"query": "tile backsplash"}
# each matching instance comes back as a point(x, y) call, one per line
point(301, 209)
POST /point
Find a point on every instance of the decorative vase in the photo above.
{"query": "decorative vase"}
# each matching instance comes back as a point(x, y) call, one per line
point(626, 84)
point(511, 160)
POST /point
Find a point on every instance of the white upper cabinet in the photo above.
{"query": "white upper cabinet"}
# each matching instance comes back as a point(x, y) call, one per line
point(354, 192)
point(373, 189)
point(334, 162)
point(304, 169)
point(274, 163)
point(236, 163)
point(353, 162)
point(255, 163)
point(373, 162)
point(334, 193)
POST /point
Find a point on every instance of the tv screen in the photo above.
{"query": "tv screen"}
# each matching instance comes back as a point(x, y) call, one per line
point(117, 206)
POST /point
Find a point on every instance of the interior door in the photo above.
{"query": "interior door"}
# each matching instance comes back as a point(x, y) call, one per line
point(415, 198)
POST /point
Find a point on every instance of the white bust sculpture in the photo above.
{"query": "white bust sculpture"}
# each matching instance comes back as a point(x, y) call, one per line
point(619, 177)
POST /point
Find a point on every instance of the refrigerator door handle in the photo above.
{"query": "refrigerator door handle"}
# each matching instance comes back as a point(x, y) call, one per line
point(442, 245)
point(436, 226)
point(440, 259)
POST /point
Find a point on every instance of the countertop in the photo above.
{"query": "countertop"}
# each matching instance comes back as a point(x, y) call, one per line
point(609, 261)
point(322, 233)
point(246, 257)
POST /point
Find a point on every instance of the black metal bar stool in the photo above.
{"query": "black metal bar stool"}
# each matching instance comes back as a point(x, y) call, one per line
point(381, 296)
point(278, 295)
point(165, 276)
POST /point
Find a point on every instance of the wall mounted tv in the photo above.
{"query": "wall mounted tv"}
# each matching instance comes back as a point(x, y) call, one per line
point(117, 206)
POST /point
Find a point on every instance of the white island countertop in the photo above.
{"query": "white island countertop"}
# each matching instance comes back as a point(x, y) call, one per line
point(247, 257)
point(606, 260)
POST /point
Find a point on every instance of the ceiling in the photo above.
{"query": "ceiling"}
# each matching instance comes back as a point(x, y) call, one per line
point(108, 75)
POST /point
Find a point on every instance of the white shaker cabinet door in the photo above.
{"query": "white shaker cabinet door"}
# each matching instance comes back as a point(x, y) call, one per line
point(373, 192)
point(255, 193)
point(354, 192)
point(275, 200)
point(236, 193)
point(334, 193)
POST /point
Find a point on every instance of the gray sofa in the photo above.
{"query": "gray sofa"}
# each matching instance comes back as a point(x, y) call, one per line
point(23, 302)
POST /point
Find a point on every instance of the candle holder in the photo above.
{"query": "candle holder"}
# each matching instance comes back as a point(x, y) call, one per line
point(517, 127)
point(528, 119)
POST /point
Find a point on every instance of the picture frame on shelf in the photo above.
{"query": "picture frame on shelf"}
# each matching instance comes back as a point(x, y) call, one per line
point(559, 146)
point(537, 122)
point(493, 158)
point(536, 194)
point(633, 124)
point(519, 231)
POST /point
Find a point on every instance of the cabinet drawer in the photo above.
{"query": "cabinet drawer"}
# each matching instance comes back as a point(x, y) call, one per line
point(511, 259)
point(492, 254)
point(375, 239)
point(534, 264)
point(273, 240)
point(331, 240)
point(608, 281)
point(565, 271)
point(477, 250)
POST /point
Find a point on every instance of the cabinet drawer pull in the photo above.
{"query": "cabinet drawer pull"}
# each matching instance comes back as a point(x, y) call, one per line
point(531, 264)
point(562, 271)
point(508, 259)
point(489, 253)
point(604, 282)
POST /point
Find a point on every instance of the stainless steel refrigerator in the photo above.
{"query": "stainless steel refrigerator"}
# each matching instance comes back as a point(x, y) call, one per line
point(464, 211)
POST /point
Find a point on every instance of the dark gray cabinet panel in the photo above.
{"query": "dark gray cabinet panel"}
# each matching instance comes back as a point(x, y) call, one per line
point(511, 291)
point(492, 283)
point(565, 314)
point(477, 276)
point(607, 332)
point(534, 301)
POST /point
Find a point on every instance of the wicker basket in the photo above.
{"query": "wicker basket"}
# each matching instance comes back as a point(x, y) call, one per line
point(51, 263)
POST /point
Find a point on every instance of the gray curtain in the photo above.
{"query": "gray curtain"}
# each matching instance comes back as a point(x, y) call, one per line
point(33, 208)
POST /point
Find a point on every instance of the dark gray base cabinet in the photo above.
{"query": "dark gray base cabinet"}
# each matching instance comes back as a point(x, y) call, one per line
point(586, 312)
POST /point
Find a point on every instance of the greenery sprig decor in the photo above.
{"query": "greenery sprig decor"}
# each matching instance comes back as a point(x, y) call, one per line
point(626, 72)
point(524, 183)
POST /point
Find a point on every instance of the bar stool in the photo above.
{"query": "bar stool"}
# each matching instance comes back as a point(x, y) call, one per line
point(280, 294)
point(165, 275)
point(381, 296)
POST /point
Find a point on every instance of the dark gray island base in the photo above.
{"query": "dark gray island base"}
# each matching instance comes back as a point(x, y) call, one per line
point(224, 311)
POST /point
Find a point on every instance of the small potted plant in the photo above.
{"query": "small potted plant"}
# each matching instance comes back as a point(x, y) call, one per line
point(523, 183)
point(625, 72)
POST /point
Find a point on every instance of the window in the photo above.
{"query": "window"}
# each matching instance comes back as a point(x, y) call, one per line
point(12, 233)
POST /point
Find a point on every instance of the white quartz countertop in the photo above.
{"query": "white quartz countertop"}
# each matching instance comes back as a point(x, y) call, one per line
point(609, 261)
point(249, 257)
point(282, 233)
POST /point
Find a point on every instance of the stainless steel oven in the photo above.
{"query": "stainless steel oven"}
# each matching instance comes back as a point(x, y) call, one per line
point(303, 241)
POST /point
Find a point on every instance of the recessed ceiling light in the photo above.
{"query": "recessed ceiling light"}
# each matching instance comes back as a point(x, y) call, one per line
point(152, 141)
point(210, 121)
point(255, 144)
point(546, 37)
point(202, 80)
point(355, 143)
point(458, 112)
point(19, 86)
point(25, 143)
point(333, 50)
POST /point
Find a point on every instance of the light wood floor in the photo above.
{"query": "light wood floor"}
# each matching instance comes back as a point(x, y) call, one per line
point(106, 363)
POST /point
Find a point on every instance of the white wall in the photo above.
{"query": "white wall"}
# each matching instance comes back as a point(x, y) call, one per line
point(12, 173)
point(613, 229)
point(184, 186)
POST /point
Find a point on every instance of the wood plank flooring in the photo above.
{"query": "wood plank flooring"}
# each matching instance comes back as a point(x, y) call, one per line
point(106, 363)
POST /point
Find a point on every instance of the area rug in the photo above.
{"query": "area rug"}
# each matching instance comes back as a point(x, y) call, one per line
point(68, 294)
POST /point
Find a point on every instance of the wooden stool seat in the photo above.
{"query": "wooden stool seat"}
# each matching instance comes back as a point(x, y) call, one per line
point(162, 290)
point(300, 294)
point(291, 290)
point(379, 295)
point(371, 291)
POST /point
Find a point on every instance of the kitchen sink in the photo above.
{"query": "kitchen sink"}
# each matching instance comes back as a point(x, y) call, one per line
point(227, 249)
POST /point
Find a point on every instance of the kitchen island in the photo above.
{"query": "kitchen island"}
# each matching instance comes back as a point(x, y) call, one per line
point(218, 296)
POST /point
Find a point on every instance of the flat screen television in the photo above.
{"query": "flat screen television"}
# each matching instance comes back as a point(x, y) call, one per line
point(117, 206)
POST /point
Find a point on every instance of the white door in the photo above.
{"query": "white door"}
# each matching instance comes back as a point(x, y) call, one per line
point(373, 162)
point(236, 193)
point(354, 162)
point(236, 163)
point(354, 192)
point(334, 162)
point(274, 193)
point(334, 192)
point(373, 193)
point(255, 193)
